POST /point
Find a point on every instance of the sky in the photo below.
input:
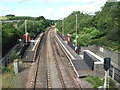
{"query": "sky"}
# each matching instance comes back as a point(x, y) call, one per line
point(50, 9)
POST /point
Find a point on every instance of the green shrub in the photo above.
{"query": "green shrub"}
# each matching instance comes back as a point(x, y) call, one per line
point(95, 81)
point(5, 69)
point(14, 55)
point(9, 68)
point(112, 83)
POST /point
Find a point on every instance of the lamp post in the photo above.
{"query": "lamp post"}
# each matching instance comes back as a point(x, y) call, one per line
point(63, 27)
point(76, 28)
point(26, 30)
point(25, 26)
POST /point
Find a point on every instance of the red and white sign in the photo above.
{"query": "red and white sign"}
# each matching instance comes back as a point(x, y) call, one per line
point(68, 38)
point(26, 37)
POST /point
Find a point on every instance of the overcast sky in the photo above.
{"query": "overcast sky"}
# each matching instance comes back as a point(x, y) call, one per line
point(50, 9)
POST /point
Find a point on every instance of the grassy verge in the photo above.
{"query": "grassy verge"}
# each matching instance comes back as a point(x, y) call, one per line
point(96, 82)
point(6, 79)
point(3, 18)
point(8, 74)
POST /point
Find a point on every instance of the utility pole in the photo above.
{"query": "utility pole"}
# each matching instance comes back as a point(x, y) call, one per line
point(76, 29)
point(63, 27)
point(25, 26)
point(26, 30)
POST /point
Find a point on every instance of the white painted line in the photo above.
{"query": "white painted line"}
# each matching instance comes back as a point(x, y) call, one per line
point(37, 46)
point(33, 49)
point(98, 62)
point(81, 56)
point(96, 56)
point(64, 48)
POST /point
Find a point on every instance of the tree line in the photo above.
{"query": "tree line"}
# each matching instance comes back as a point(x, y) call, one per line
point(12, 31)
point(102, 29)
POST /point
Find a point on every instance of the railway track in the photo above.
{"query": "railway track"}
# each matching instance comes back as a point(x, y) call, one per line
point(41, 70)
point(53, 69)
point(66, 75)
point(56, 62)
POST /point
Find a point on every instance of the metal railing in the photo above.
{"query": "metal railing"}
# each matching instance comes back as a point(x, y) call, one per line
point(19, 48)
point(73, 46)
point(6, 59)
point(114, 72)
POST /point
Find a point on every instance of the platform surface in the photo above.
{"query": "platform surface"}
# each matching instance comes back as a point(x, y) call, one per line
point(30, 52)
point(80, 65)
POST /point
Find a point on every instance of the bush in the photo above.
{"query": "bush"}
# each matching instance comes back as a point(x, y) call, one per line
point(96, 82)
point(9, 68)
point(112, 84)
point(5, 69)
point(14, 55)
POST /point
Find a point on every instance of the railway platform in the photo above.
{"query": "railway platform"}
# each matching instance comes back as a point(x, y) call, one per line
point(80, 66)
point(30, 53)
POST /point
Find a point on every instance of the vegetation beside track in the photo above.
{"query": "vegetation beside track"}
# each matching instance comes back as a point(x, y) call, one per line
point(12, 31)
point(8, 74)
point(102, 29)
point(96, 82)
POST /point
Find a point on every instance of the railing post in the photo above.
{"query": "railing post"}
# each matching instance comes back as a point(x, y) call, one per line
point(113, 72)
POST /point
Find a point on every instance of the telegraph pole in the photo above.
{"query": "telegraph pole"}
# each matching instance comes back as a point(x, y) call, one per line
point(63, 27)
point(76, 29)
point(26, 30)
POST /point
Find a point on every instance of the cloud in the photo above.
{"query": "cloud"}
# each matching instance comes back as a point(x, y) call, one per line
point(64, 8)
point(64, 11)
point(47, 13)
point(4, 10)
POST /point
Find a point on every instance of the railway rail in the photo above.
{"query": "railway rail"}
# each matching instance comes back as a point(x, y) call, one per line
point(41, 70)
point(66, 74)
point(52, 67)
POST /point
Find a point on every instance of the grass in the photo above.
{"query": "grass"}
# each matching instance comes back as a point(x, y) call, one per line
point(8, 74)
point(96, 82)
point(3, 18)
point(6, 79)
point(0, 81)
